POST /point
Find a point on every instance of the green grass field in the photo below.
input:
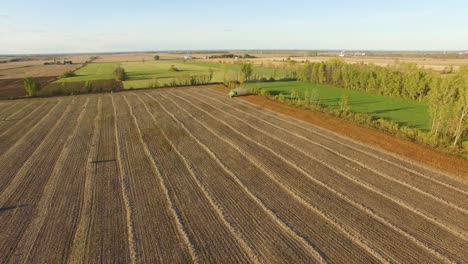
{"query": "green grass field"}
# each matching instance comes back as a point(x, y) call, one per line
point(93, 71)
point(405, 112)
point(142, 74)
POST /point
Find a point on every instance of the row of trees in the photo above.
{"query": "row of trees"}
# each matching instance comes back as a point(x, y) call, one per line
point(446, 94)
point(403, 80)
point(448, 105)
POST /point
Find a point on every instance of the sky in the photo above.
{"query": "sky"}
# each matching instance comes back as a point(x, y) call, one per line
point(53, 26)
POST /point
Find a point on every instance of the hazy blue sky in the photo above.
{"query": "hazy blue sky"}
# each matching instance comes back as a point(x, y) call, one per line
point(52, 26)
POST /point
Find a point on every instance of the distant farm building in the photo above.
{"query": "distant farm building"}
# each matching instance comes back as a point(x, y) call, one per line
point(359, 54)
point(188, 57)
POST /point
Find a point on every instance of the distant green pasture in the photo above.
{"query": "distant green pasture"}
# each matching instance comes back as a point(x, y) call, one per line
point(93, 71)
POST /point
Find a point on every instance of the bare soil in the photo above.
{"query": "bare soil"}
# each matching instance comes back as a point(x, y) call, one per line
point(15, 88)
point(178, 175)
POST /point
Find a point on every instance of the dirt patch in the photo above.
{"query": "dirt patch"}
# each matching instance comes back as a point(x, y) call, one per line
point(14, 87)
point(416, 152)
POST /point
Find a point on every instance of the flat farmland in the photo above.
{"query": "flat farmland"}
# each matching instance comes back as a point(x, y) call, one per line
point(34, 70)
point(179, 175)
point(145, 74)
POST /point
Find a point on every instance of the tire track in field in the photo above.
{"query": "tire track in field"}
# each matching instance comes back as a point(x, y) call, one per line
point(57, 233)
point(310, 249)
point(358, 147)
point(129, 203)
point(28, 184)
point(8, 121)
point(180, 227)
point(357, 205)
point(46, 204)
point(78, 246)
point(147, 196)
point(12, 160)
point(16, 134)
point(274, 212)
point(5, 112)
point(157, 136)
point(13, 131)
point(102, 233)
point(457, 221)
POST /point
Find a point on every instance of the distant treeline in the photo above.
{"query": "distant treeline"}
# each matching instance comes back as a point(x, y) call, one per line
point(446, 94)
point(231, 56)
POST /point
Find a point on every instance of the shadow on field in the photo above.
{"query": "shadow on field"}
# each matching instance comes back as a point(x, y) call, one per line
point(390, 110)
point(351, 102)
point(2, 209)
point(103, 161)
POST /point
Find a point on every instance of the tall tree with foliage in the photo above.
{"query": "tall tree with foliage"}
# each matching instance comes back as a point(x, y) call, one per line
point(322, 78)
point(461, 106)
point(120, 74)
point(246, 71)
point(31, 86)
point(344, 104)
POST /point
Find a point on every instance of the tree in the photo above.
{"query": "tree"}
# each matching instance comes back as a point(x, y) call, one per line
point(461, 108)
point(311, 96)
point(156, 57)
point(305, 73)
point(68, 74)
point(31, 86)
point(246, 71)
point(211, 73)
point(344, 103)
point(120, 74)
point(322, 78)
point(440, 104)
point(315, 72)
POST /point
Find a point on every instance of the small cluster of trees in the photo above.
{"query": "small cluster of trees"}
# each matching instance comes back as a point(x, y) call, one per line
point(174, 68)
point(446, 94)
point(120, 74)
point(68, 74)
point(31, 86)
point(246, 72)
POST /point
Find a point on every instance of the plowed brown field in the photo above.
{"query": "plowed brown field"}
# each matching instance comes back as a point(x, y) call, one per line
point(189, 175)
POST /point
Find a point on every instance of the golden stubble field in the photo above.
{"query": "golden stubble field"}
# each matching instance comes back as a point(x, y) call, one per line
point(189, 175)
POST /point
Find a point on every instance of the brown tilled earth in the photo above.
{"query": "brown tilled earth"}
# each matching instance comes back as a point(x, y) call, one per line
point(15, 87)
point(183, 175)
point(35, 71)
